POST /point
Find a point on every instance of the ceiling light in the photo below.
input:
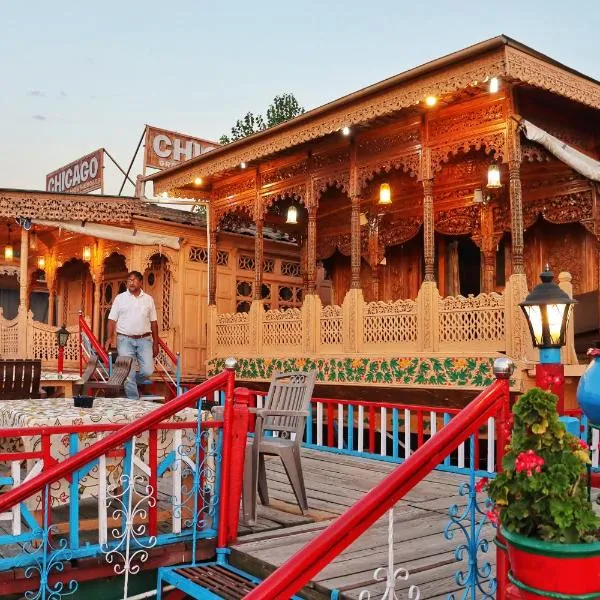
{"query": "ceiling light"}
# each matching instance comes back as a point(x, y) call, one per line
point(385, 194)
point(431, 100)
point(292, 215)
point(86, 254)
point(494, 85)
point(346, 130)
point(41, 262)
point(242, 165)
point(165, 195)
point(198, 181)
point(493, 181)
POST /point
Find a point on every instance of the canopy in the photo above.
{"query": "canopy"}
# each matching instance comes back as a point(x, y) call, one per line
point(117, 234)
point(582, 163)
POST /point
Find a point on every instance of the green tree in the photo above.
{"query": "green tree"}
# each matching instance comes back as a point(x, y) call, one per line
point(283, 108)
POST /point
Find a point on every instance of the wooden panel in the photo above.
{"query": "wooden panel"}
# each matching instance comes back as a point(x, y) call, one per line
point(193, 330)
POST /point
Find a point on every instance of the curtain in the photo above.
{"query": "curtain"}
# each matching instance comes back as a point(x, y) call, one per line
point(38, 303)
point(9, 301)
point(453, 272)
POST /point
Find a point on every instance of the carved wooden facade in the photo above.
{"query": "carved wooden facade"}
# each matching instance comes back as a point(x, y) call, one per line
point(444, 234)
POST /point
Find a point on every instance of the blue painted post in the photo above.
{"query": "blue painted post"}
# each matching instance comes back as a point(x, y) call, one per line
point(446, 421)
point(350, 427)
point(178, 374)
point(395, 424)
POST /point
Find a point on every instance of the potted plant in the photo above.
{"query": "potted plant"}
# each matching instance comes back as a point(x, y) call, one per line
point(542, 504)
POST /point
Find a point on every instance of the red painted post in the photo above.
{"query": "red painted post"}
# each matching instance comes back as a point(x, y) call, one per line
point(222, 535)
point(551, 377)
point(372, 429)
point(80, 347)
point(239, 434)
point(61, 359)
point(330, 425)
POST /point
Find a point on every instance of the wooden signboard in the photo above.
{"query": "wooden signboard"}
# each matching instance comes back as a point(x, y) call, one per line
point(164, 149)
point(81, 176)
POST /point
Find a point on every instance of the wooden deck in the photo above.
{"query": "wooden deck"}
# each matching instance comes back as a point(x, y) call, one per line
point(333, 484)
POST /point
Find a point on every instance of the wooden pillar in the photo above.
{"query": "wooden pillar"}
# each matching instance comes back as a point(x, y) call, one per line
point(516, 199)
point(302, 246)
point(24, 279)
point(374, 256)
point(428, 230)
point(311, 251)
point(488, 248)
point(51, 299)
point(212, 257)
point(259, 243)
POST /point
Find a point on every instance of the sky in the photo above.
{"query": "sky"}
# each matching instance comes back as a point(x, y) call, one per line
point(77, 76)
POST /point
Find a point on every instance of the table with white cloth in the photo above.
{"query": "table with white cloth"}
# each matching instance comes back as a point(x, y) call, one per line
point(64, 381)
point(62, 412)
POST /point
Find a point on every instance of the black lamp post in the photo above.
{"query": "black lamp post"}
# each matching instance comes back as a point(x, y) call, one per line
point(62, 337)
point(547, 310)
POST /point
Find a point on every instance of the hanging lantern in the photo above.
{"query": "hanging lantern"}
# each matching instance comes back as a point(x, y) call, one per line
point(493, 181)
point(494, 85)
point(86, 254)
point(292, 215)
point(8, 249)
point(385, 194)
point(33, 241)
point(41, 262)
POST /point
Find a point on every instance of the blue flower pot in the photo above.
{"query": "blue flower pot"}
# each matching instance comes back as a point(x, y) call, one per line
point(588, 392)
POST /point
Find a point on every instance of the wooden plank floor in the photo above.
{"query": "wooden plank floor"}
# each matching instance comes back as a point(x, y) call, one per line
point(334, 483)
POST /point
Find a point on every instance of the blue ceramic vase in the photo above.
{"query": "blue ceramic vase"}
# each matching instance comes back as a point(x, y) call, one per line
point(588, 390)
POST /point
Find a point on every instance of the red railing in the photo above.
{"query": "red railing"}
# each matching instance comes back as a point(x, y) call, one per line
point(151, 422)
point(298, 570)
point(84, 328)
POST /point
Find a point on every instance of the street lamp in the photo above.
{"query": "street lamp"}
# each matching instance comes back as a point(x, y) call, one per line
point(547, 310)
point(62, 337)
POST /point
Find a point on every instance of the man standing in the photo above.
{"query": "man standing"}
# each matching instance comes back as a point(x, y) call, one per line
point(133, 317)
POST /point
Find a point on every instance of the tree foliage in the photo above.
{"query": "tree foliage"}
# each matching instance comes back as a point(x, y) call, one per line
point(283, 108)
point(542, 491)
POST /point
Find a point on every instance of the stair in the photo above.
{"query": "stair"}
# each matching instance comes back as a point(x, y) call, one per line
point(208, 581)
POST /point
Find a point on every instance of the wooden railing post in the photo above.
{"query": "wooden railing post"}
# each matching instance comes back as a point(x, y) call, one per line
point(428, 332)
point(256, 314)
point(311, 324)
point(352, 321)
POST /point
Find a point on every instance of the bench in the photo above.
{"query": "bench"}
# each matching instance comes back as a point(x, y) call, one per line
point(20, 379)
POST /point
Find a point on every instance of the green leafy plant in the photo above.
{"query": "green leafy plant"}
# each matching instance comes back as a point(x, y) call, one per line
point(542, 491)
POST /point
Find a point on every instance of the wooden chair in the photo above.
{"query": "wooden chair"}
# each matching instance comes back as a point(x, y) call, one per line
point(20, 379)
point(89, 370)
point(285, 411)
point(113, 386)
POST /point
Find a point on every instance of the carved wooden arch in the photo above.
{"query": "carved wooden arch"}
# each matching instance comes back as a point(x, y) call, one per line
point(406, 163)
point(245, 209)
point(295, 192)
point(170, 254)
point(560, 209)
point(495, 142)
point(118, 252)
point(339, 180)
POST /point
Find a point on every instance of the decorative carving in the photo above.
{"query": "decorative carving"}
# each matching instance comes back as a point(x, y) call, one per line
point(399, 232)
point(533, 152)
point(327, 245)
point(339, 180)
point(11, 271)
point(390, 322)
point(331, 159)
point(458, 122)
point(384, 143)
point(408, 163)
point(428, 230)
point(235, 188)
point(296, 191)
point(490, 142)
point(539, 73)
point(282, 328)
point(234, 216)
point(285, 172)
point(565, 208)
point(464, 169)
point(395, 98)
point(458, 221)
point(233, 330)
point(473, 319)
point(75, 207)
point(331, 331)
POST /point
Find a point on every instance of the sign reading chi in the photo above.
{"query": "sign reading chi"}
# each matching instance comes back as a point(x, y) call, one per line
point(164, 149)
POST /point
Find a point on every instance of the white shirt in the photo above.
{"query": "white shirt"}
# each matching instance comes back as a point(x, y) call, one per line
point(133, 314)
